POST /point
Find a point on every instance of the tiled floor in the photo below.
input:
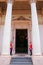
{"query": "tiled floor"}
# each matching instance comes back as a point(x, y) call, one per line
point(37, 60)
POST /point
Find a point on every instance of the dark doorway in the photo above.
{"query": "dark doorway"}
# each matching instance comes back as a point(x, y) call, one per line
point(21, 41)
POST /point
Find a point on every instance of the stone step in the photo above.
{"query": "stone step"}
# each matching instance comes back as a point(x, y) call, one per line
point(21, 61)
point(21, 64)
point(22, 58)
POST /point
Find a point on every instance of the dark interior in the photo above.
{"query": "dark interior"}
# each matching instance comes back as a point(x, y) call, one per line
point(21, 41)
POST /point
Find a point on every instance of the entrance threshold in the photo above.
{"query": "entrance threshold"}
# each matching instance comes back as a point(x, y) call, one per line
point(21, 55)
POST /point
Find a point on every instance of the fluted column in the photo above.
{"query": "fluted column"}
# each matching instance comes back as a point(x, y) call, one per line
point(7, 29)
point(35, 30)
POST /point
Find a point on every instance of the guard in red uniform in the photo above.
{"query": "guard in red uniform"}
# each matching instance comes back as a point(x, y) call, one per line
point(11, 47)
point(30, 47)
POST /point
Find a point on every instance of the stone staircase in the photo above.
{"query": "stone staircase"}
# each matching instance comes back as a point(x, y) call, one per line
point(21, 61)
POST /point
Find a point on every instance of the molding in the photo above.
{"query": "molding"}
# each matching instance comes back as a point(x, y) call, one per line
point(21, 18)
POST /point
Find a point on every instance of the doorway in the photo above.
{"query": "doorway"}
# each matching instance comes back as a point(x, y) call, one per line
point(21, 46)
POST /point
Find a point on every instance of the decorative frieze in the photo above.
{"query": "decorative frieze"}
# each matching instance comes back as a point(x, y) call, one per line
point(23, 18)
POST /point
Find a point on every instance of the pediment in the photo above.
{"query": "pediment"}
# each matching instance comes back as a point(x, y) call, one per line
point(21, 18)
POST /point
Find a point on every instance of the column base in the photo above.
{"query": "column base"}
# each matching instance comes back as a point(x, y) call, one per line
point(37, 54)
point(5, 53)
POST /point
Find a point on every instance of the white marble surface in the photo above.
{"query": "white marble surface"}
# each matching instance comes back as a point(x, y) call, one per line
point(5, 60)
point(37, 60)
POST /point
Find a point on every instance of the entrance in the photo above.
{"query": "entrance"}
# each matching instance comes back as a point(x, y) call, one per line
point(21, 41)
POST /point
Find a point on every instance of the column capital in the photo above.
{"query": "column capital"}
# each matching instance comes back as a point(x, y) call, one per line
point(32, 1)
point(10, 1)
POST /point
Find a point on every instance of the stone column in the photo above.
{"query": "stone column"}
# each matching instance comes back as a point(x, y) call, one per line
point(7, 30)
point(35, 30)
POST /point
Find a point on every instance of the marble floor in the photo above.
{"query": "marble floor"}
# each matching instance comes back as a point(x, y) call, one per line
point(37, 60)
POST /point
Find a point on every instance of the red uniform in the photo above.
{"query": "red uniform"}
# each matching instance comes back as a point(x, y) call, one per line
point(10, 45)
point(30, 47)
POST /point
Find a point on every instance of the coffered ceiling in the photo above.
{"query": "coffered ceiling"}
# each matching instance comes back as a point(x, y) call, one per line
point(21, 4)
